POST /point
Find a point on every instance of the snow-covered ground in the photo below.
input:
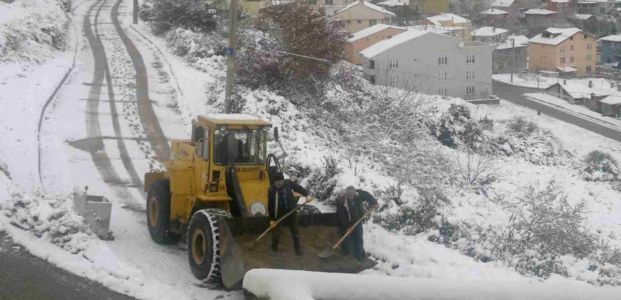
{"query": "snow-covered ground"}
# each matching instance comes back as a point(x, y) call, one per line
point(133, 264)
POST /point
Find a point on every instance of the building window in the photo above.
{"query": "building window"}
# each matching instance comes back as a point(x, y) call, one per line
point(571, 47)
point(589, 69)
point(329, 2)
point(562, 48)
point(589, 46)
point(372, 22)
point(443, 60)
point(588, 56)
point(470, 90)
point(348, 21)
point(470, 59)
point(371, 64)
point(442, 76)
point(312, 2)
point(359, 21)
point(571, 59)
point(372, 79)
point(393, 64)
point(562, 60)
point(442, 92)
point(469, 75)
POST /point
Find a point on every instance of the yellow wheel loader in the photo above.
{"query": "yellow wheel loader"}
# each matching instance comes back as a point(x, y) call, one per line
point(214, 189)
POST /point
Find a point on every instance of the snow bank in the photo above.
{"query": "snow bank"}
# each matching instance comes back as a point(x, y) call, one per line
point(286, 284)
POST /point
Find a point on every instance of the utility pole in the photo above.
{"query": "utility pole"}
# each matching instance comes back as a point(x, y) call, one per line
point(135, 11)
point(230, 56)
point(512, 57)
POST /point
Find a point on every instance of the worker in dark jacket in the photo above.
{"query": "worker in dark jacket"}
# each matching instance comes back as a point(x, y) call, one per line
point(349, 209)
point(281, 200)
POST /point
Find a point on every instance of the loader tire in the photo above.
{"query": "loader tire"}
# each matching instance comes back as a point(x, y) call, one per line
point(158, 213)
point(204, 244)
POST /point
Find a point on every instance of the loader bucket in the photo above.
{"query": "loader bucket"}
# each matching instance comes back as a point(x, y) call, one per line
point(239, 253)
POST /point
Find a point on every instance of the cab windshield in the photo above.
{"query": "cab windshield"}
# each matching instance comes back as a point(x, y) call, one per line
point(240, 146)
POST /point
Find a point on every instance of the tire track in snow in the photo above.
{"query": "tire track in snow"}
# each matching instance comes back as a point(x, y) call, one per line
point(149, 120)
point(95, 145)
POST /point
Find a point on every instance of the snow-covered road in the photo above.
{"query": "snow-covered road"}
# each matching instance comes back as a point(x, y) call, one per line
point(103, 131)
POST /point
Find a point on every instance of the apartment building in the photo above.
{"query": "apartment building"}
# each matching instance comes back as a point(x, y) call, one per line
point(564, 50)
point(431, 63)
point(362, 14)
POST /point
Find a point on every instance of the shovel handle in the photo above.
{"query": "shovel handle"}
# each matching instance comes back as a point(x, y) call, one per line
point(351, 229)
point(308, 200)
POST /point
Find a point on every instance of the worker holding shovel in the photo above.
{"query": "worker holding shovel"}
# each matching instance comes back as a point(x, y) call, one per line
point(349, 209)
point(281, 201)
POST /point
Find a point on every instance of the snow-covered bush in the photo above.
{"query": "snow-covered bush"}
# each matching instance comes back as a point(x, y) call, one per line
point(312, 41)
point(473, 169)
point(543, 228)
point(522, 127)
point(322, 181)
point(456, 127)
point(411, 213)
point(49, 217)
point(600, 166)
point(165, 15)
point(194, 45)
point(33, 30)
point(65, 4)
point(259, 62)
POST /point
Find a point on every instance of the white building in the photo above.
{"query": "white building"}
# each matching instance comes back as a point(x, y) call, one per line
point(431, 63)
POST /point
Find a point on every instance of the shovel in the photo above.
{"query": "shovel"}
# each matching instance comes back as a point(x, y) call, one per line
point(309, 199)
point(325, 253)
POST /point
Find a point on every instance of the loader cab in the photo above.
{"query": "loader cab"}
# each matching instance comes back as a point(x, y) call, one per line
point(233, 154)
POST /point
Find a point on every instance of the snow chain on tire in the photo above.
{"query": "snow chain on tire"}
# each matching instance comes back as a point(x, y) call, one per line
point(213, 217)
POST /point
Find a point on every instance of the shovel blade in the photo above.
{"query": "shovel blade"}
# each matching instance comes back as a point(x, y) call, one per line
point(325, 253)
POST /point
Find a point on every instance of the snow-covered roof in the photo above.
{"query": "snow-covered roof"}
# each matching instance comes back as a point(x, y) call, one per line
point(567, 69)
point(437, 20)
point(582, 16)
point(578, 90)
point(394, 3)
point(539, 11)
point(502, 3)
point(612, 100)
point(560, 1)
point(612, 38)
point(369, 5)
point(372, 30)
point(557, 35)
point(394, 41)
point(493, 11)
point(489, 31)
point(520, 41)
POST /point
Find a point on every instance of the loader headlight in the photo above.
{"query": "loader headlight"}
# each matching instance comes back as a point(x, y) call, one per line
point(258, 209)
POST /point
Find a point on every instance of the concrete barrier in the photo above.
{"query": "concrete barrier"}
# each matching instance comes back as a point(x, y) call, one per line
point(96, 211)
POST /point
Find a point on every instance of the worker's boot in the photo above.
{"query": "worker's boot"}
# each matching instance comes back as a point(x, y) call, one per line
point(297, 246)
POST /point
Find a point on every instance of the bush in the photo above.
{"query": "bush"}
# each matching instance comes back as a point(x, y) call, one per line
point(544, 227)
point(410, 216)
point(522, 127)
point(322, 182)
point(258, 62)
point(165, 15)
point(456, 127)
point(600, 166)
point(305, 33)
point(193, 45)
